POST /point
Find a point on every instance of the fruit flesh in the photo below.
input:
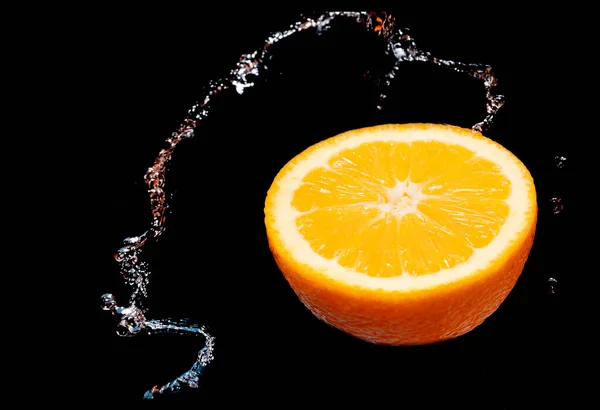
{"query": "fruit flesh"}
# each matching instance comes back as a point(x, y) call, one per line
point(392, 208)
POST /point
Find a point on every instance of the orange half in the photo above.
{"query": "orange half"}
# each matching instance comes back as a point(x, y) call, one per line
point(402, 234)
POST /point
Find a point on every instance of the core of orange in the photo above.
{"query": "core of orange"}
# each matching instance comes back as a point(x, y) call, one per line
point(402, 234)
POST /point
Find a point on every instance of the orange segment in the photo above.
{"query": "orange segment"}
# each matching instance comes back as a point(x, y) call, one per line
point(385, 232)
point(334, 231)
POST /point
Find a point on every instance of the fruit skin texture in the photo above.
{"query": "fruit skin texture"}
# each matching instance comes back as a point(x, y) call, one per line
point(411, 317)
point(418, 317)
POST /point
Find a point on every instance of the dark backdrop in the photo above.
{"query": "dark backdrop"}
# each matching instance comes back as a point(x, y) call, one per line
point(147, 67)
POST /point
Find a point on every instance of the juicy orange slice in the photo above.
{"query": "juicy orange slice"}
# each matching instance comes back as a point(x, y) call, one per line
point(402, 234)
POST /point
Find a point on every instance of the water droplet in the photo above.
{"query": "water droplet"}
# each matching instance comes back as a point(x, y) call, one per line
point(108, 302)
point(399, 52)
point(122, 332)
point(560, 161)
point(557, 205)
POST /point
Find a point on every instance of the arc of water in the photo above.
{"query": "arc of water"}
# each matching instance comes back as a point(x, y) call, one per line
point(136, 272)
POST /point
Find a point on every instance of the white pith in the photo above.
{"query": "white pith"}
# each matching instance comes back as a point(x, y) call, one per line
point(399, 204)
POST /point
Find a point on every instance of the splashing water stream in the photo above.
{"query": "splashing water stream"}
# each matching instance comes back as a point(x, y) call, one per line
point(132, 319)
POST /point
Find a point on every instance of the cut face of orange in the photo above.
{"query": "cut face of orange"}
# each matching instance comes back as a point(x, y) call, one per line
point(402, 234)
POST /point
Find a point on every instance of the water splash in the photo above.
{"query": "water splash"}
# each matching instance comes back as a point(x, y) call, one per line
point(560, 161)
point(552, 286)
point(402, 46)
point(132, 319)
point(557, 207)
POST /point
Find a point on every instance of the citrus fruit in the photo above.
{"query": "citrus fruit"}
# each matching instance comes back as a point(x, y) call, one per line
point(402, 234)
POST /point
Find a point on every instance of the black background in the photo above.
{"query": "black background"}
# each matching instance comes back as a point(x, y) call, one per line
point(147, 67)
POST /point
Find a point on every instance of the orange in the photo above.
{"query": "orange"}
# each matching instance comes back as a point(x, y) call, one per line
point(402, 234)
